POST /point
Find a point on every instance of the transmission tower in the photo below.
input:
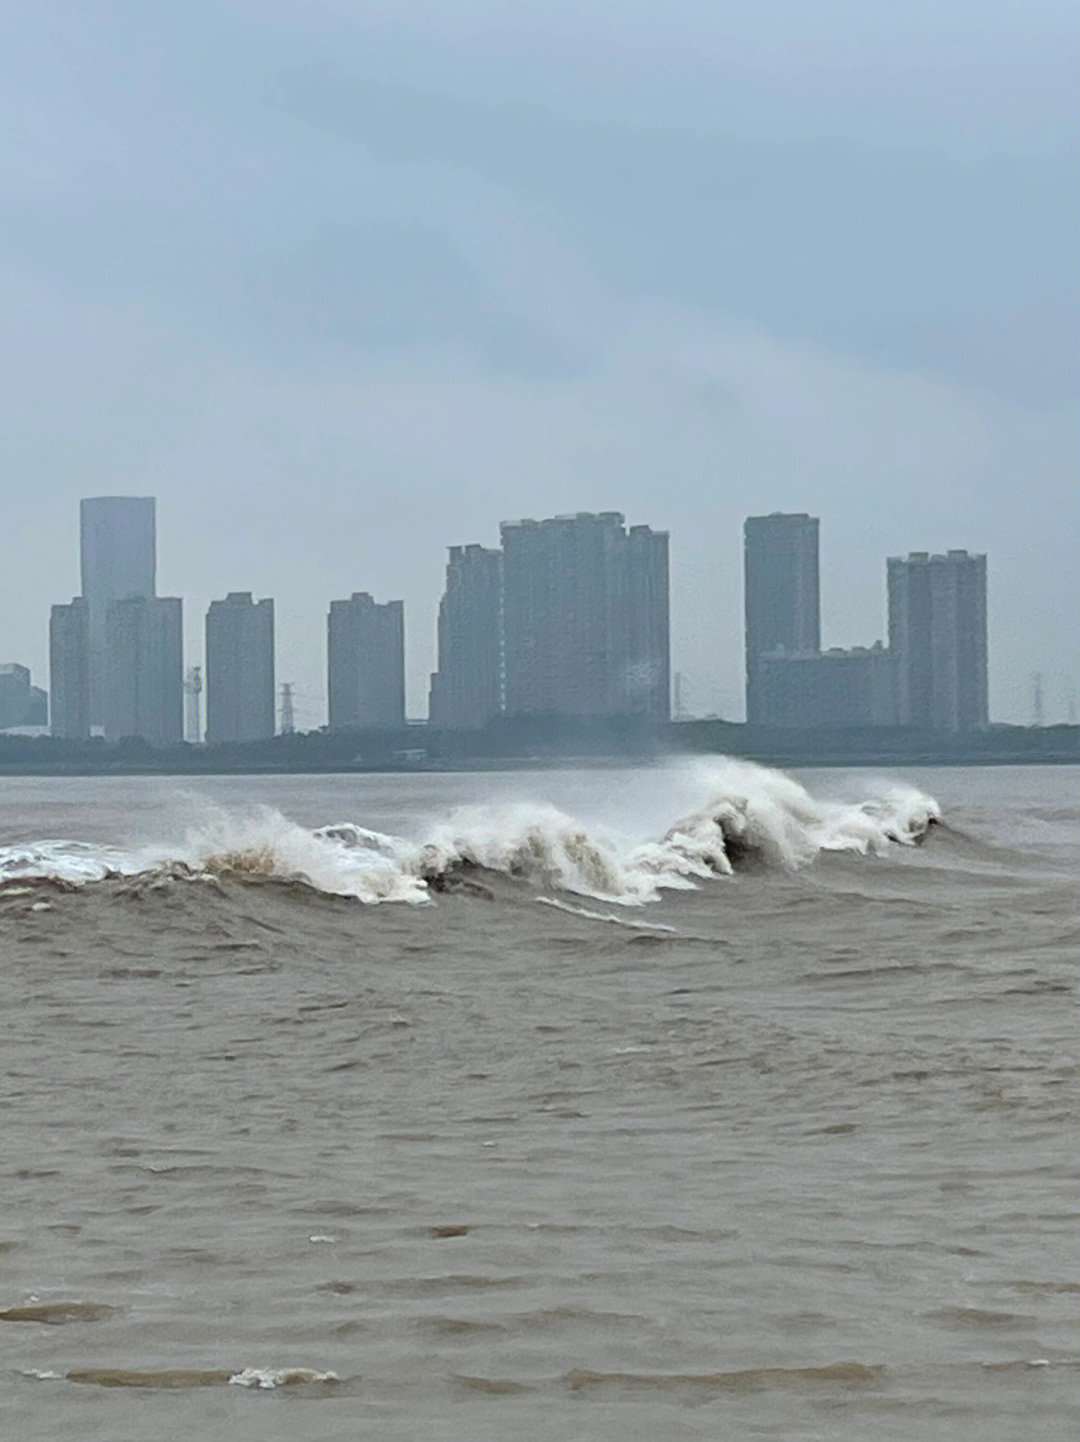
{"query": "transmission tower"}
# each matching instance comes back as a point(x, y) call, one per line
point(1037, 698)
point(288, 720)
point(192, 694)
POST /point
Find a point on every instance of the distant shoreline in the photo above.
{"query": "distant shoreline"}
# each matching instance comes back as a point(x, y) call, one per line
point(540, 744)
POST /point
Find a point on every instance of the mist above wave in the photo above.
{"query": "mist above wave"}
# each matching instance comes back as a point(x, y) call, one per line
point(742, 813)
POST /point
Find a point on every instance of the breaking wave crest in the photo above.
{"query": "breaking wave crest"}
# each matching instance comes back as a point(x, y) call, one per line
point(746, 813)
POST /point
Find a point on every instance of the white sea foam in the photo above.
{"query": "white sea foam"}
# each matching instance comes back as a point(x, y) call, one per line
point(740, 811)
point(632, 922)
point(74, 861)
point(341, 860)
point(535, 842)
point(266, 1378)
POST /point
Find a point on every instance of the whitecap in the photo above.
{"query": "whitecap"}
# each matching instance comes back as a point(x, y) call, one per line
point(742, 812)
point(266, 1378)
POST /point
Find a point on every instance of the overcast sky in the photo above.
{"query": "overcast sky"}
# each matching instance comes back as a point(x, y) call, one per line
point(343, 284)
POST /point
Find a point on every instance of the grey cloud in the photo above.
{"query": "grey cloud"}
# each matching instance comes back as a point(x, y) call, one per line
point(941, 257)
point(377, 286)
point(389, 285)
point(904, 256)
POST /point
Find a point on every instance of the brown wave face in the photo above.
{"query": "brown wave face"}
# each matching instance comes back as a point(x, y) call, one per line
point(842, 1374)
point(175, 1379)
point(493, 1386)
point(463, 876)
point(16, 886)
point(168, 1379)
point(55, 1314)
point(254, 861)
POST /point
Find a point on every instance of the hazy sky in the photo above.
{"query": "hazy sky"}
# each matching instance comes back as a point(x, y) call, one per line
point(343, 284)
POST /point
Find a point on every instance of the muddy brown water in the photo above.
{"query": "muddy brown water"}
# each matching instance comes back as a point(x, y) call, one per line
point(792, 1154)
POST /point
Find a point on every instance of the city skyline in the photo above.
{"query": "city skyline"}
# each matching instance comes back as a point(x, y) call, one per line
point(342, 288)
point(930, 674)
point(570, 617)
point(1057, 702)
point(300, 631)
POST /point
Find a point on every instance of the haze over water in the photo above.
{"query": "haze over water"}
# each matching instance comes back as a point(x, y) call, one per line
point(569, 1134)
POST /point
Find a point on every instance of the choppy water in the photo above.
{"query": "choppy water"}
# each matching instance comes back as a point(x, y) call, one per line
point(572, 1134)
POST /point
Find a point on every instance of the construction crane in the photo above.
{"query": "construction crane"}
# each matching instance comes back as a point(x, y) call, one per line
point(192, 694)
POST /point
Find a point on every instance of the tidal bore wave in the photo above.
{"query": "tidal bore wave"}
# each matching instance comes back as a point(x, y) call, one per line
point(746, 815)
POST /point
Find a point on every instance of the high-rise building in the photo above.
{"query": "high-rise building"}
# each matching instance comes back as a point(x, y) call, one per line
point(833, 688)
point(937, 633)
point(69, 669)
point(782, 594)
point(466, 690)
point(585, 618)
point(144, 683)
point(909, 637)
point(366, 663)
point(118, 555)
point(648, 670)
point(239, 669)
point(21, 703)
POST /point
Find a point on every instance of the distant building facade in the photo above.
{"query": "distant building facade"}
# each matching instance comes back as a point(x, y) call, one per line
point(239, 669)
point(366, 663)
point(833, 688)
point(648, 624)
point(144, 678)
point(21, 703)
point(118, 554)
point(782, 595)
point(467, 687)
point(585, 618)
point(938, 634)
point(69, 669)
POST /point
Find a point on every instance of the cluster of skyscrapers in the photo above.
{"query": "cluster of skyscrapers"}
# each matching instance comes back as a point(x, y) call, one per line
point(566, 618)
point(932, 674)
point(116, 650)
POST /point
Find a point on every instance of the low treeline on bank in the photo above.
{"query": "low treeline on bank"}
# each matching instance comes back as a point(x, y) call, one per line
point(540, 740)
